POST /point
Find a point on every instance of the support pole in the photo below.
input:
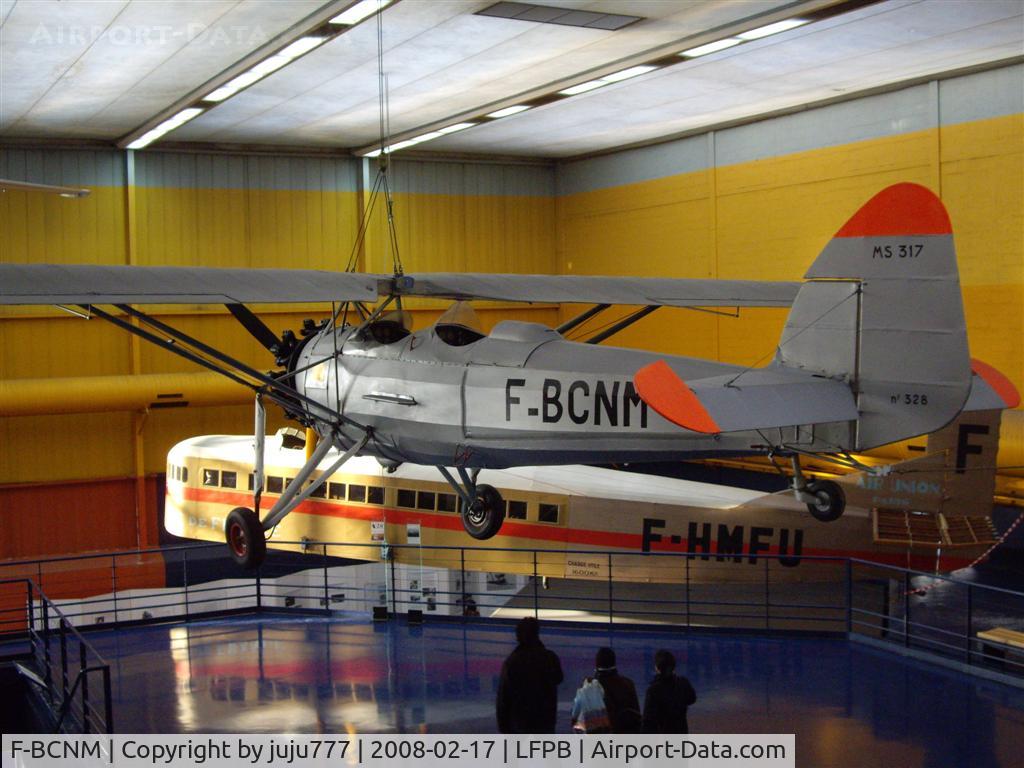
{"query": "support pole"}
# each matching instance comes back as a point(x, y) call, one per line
point(260, 435)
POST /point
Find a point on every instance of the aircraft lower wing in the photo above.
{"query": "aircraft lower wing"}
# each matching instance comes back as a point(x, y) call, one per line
point(763, 398)
point(104, 284)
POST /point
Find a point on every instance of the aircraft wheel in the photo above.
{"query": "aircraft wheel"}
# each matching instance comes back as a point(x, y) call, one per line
point(483, 520)
point(244, 534)
point(830, 503)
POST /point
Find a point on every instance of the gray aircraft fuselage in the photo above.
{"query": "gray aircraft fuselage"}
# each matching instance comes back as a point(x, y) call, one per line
point(521, 396)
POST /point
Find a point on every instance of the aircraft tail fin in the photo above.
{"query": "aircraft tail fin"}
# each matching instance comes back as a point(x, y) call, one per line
point(881, 310)
point(952, 473)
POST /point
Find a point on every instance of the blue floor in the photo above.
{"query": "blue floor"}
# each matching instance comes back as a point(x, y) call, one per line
point(850, 705)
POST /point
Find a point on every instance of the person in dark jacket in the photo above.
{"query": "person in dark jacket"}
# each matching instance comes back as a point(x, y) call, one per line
point(668, 697)
point(528, 686)
point(620, 699)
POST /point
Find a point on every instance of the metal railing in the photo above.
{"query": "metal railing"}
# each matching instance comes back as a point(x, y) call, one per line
point(937, 615)
point(73, 676)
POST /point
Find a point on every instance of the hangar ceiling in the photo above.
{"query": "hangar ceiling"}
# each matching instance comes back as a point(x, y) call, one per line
point(109, 69)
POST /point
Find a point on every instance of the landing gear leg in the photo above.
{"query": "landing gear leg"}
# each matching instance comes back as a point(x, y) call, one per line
point(481, 506)
point(244, 531)
point(825, 499)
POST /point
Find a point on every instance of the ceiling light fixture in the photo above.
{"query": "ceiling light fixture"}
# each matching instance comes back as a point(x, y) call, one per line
point(515, 109)
point(360, 11)
point(314, 38)
point(506, 10)
point(717, 45)
point(456, 127)
point(166, 127)
point(286, 55)
point(615, 77)
point(772, 29)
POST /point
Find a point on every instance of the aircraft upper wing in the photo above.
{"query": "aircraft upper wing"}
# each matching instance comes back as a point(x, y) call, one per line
point(105, 284)
point(96, 284)
point(583, 289)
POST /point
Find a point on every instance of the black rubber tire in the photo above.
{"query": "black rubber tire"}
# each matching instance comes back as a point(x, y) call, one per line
point(484, 519)
point(831, 500)
point(246, 541)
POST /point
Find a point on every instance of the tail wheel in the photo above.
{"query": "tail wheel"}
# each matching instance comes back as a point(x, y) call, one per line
point(483, 520)
point(829, 503)
point(245, 538)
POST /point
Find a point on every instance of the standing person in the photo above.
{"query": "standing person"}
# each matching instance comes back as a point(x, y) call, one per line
point(621, 706)
point(668, 697)
point(528, 686)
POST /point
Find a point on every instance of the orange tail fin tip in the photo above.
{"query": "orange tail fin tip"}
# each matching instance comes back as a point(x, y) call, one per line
point(902, 209)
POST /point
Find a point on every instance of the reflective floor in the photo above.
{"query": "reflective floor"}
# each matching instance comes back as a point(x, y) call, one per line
point(849, 705)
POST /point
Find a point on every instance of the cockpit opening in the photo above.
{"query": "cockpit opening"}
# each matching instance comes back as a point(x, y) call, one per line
point(390, 327)
point(459, 325)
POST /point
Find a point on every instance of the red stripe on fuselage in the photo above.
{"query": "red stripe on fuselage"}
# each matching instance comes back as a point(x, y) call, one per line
point(539, 532)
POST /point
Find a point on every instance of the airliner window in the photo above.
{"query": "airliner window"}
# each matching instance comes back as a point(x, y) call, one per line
point(320, 492)
point(375, 495)
point(426, 500)
point(445, 502)
point(275, 484)
point(337, 491)
point(548, 513)
point(211, 477)
point(357, 493)
point(228, 480)
point(517, 510)
point(406, 498)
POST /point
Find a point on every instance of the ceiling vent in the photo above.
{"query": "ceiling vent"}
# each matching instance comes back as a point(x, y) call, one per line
point(548, 14)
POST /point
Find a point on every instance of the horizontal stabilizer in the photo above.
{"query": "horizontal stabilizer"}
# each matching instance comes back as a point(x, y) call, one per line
point(765, 398)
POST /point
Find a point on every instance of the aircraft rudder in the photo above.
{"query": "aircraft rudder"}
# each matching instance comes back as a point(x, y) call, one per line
point(882, 311)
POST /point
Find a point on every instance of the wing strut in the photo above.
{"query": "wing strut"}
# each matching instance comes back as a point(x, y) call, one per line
point(185, 346)
point(581, 318)
point(622, 325)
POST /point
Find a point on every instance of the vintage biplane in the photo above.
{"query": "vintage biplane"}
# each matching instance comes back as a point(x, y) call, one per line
point(874, 351)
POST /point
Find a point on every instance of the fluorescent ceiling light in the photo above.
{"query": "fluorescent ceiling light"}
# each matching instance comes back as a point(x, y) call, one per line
point(165, 127)
point(582, 87)
point(625, 74)
point(244, 80)
point(267, 66)
point(360, 11)
point(515, 109)
point(718, 45)
point(426, 137)
point(771, 29)
point(290, 52)
point(420, 139)
point(456, 127)
point(614, 77)
point(301, 46)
